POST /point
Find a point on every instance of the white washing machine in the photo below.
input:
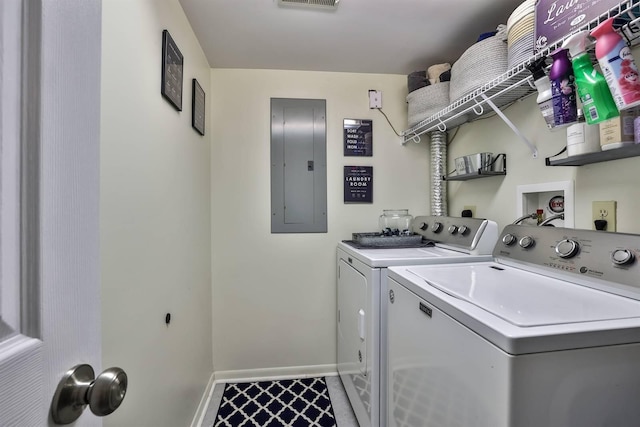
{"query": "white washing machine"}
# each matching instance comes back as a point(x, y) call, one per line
point(546, 335)
point(362, 279)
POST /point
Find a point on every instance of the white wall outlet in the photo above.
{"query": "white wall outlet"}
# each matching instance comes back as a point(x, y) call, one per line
point(375, 99)
point(604, 210)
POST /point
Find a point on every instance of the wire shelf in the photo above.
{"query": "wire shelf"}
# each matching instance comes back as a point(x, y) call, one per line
point(515, 83)
point(481, 173)
point(632, 150)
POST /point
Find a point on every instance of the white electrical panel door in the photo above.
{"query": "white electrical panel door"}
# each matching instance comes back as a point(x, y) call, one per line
point(298, 166)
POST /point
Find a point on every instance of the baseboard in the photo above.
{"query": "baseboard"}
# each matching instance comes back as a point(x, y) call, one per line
point(204, 403)
point(270, 374)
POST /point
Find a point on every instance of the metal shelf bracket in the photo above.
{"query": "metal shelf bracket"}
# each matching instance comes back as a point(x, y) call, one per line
point(415, 138)
point(480, 108)
point(532, 147)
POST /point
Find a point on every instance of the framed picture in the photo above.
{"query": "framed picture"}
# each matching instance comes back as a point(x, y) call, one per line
point(197, 107)
point(358, 137)
point(172, 64)
point(358, 184)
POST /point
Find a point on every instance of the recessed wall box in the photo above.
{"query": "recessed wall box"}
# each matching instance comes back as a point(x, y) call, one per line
point(375, 99)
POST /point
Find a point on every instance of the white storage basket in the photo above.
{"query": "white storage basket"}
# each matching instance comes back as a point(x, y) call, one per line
point(427, 101)
point(478, 65)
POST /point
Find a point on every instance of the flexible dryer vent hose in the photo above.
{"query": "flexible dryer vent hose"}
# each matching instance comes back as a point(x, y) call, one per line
point(438, 170)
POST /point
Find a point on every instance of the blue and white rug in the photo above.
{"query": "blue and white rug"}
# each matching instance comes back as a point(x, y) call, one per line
point(298, 403)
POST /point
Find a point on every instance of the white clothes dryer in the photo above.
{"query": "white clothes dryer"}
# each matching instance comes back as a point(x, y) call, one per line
point(361, 312)
point(548, 334)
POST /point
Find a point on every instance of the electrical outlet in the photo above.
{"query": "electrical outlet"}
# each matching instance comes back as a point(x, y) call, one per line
point(375, 99)
point(471, 208)
point(604, 210)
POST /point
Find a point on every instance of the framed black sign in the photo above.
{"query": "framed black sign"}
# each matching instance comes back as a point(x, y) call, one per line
point(172, 64)
point(358, 137)
point(358, 184)
point(197, 107)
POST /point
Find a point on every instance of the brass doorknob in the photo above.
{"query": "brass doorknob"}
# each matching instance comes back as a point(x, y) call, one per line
point(79, 388)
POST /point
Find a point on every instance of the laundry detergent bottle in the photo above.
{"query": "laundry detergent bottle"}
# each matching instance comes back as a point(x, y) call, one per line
point(597, 102)
point(618, 65)
point(563, 89)
point(545, 96)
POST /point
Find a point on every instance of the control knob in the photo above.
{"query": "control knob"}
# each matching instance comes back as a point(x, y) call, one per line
point(453, 229)
point(509, 239)
point(526, 242)
point(423, 226)
point(622, 257)
point(463, 230)
point(436, 227)
point(567, 248)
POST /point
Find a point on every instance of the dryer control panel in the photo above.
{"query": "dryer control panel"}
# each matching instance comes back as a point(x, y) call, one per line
point(471, 235)
point(607, 259)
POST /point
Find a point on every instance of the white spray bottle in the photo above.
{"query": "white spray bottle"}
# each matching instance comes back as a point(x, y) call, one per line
point(542, 83)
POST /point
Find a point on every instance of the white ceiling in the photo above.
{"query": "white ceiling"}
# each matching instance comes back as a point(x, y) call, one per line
point(362, 36)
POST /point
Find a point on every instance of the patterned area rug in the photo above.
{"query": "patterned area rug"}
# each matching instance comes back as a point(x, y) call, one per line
point(298, 403)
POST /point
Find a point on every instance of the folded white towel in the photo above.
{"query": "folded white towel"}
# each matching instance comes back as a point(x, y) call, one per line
point(434, 72)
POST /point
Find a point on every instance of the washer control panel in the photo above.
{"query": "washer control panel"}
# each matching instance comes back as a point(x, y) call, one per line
point(586, 253)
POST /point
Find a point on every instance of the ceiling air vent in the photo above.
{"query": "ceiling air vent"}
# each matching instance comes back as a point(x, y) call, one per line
point(324, 4)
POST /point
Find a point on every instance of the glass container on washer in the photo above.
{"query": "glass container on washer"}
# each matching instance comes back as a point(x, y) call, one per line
point(395, 222)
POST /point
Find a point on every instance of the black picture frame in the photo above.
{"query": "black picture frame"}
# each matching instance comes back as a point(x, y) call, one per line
point(358, 137)
point(197, 107)
point(172, 70)
point(358, 184)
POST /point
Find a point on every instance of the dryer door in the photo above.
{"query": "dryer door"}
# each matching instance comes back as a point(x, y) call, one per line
point(353, 320)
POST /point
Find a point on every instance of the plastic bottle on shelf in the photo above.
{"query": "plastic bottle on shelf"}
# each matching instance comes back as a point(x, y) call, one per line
point(582, 137)
point(563, 89)
point(597, 103)
point(543, 84)
point(618, 65)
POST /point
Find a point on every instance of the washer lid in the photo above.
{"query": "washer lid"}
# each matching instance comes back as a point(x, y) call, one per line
point(526, 299)
point(387, 257)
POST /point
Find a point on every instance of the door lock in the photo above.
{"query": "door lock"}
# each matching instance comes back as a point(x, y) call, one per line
point(79, 388)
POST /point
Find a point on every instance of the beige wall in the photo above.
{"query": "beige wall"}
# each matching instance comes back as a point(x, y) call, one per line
point(495, 197)
point(155, 218)
point(274, 294)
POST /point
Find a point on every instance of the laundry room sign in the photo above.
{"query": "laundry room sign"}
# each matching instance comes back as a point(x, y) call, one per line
point(556, 19)
point(358, 184)
point(358, 137)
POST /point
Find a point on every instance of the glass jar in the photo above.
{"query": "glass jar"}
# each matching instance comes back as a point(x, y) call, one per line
point(395, 222)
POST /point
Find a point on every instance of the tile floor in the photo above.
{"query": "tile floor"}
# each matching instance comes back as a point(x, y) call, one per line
point(341, 406)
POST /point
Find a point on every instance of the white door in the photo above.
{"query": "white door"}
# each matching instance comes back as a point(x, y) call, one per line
point(49, 235)
point(352, 321)
point(354, 334)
